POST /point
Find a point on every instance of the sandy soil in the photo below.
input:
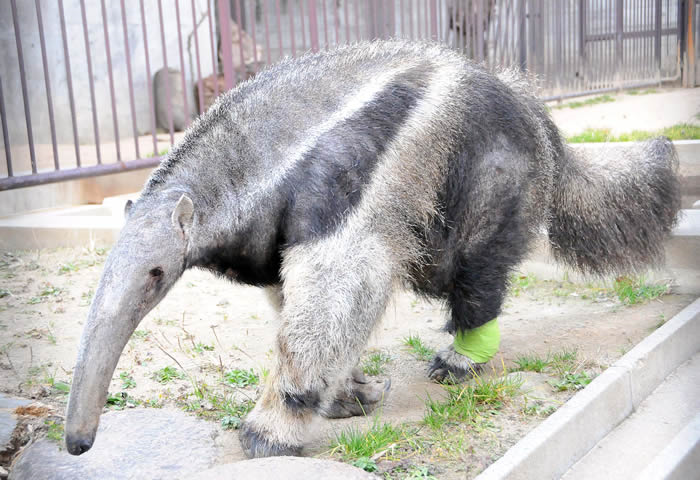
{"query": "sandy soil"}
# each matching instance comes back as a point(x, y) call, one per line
point(208, 326)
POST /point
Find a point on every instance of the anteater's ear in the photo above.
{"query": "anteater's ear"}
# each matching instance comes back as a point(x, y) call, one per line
point(183, 214)
point(127, 207)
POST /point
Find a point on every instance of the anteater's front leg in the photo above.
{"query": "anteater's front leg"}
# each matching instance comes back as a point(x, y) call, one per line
point(334, 293)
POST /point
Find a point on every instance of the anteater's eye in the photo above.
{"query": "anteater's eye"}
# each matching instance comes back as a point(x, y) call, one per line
point(156, 272)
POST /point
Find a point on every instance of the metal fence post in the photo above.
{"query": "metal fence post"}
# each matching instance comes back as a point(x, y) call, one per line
point(313, 25)
point(522, 10)
point(433, 20)
point(226, 47)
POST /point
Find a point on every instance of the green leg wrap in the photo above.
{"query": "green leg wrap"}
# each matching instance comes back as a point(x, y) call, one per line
point(479, 344)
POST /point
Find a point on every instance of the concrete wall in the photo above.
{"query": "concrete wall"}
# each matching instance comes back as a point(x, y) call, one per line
point(9, 66)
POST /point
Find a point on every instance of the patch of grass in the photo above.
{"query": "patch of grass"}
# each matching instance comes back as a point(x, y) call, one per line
point(564, 361)
point(572, 381)
point(55, 431)
point(241, 378)
point(167, 375)
point(660, 323)
point(681, 131)
point(119, 401)
point(47, 291)
point(642, 92)
point(465, 403)
point(375, 362)
point(519, 283)
point(587, 102)
point(633, 291)
point(530, 363)
point(141, 334)
point(354, 443)
point(5, 293)
point(127, 380)
point(418, 349)
point(68, 267)
point(202, 347)
point(420, 472)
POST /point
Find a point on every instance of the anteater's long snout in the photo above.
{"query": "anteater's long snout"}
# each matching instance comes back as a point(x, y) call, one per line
point(77, 444)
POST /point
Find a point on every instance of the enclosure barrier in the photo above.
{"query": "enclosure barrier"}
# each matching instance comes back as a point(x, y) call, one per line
point(110, 86)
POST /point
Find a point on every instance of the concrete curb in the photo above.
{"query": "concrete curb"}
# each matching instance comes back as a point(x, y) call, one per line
point(566, 436)
point(680, 459)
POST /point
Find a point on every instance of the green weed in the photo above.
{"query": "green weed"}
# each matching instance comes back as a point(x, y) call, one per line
point(564, 361)
point(633, 291)
point(168, 374)
point(241, 378)
point(127, 380)
point(572, 381)
point(420, 473)
point(520, 283)
point(418, 349)
point(375, 362)
point(642, 92)
point(54, 432)
point(160, 153)
point(366, 464)
point(5, 293)
point(201, 347)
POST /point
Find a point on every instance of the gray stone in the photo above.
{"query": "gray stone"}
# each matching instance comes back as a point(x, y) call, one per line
point(284, 468)
point(10, 403)
point(8, 422)
point(138, 443)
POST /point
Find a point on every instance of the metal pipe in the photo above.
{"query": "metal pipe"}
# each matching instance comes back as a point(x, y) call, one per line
point(152, 111)
point(5, 133)
point(111, 82)
point(200, 87)
point(214, 61)
point(69, 81)
point(23, 80)
point(226, 48)
point(167, 73)
point(130, 81)
point(91, 83)
point(47, 84)
point(182, 64)
point(23, 181)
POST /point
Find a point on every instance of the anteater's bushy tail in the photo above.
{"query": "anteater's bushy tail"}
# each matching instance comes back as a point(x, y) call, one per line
point(612, 210)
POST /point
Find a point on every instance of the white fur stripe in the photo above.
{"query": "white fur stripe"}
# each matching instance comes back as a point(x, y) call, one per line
point(296, 153)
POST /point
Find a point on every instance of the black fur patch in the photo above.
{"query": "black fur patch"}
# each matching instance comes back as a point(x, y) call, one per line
point(328, 183)
point(299, 401)
point(255, 445)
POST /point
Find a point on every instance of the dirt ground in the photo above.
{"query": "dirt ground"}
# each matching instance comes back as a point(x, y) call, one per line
point(208, 327)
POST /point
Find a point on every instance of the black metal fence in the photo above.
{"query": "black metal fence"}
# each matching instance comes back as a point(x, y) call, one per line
point(89, 88)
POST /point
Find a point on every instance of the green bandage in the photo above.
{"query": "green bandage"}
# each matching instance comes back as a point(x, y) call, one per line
point(480, 343)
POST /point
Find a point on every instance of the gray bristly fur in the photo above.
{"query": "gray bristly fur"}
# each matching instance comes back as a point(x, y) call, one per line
point(332, 178)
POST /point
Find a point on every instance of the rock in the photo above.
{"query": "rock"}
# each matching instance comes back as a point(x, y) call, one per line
point(8, 422)
point(139, 443)
point(284, 468)
point(3, 473)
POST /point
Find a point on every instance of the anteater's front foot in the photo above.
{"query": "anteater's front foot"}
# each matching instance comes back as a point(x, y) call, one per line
point(450, 366)
point(358, 396)
point(257, 444)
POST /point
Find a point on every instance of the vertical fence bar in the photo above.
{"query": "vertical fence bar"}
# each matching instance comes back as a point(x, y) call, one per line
point(226, 47)
point(279, 28)
point(182, 63)
point(241, 52)
point(47, 84)
point(167, 71)
point(111, 82)
point(290, 13)
point(200, 87)
point(69, 81)
point(410, 19)
point(151, 111)
point(267, 32)
point(130, 81)
point(303, 25)
point(214, 59)
point(347, 21)
point(657, 37)
point(91, 83)
point(523, 34)
point(5, 133)
point(255, 42)
point(336, 21)
point(313, 26)
point(23, 80)
point(325, 24)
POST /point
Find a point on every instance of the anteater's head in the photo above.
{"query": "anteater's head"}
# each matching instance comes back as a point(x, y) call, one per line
point(145, 263)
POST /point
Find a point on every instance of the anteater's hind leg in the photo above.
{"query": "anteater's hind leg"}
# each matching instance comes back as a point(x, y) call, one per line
point(334, 293)
point(476, 295)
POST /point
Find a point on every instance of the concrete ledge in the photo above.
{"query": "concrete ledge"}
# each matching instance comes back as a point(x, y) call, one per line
point(680, 460)
point(561, 440)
